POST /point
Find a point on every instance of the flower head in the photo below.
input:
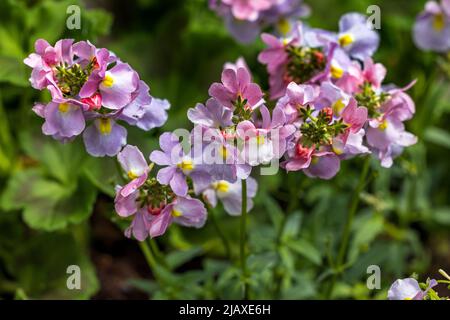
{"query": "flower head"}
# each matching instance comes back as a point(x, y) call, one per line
point(88, 84)
point(152, 205)
point(230, 194)
point(409, 289)
point(237, 90)
point(432, 27)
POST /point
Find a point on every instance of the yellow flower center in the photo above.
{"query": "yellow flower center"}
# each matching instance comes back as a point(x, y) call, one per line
point(105, 126)
point(63, 107)
point(260, 139)
point(222, 186)
point(438, 22)
point(338, 106)
point(132, 175)
point(337, 150)
point(108, 81)
point(314, 160)
point(336, 72)
point(345, 40)
point(223, 152)
point(383, 125)
point(176, 213)
point(284, 26)
point(186, 165)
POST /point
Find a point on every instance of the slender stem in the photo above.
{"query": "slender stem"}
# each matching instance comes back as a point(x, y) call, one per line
point(226, 244)
point(151, 261)
point(348, 224)
point(158, 254)
point(243, 242)
point(292, 205)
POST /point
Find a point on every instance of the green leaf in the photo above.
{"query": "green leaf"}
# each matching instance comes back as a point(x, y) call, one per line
point(306, 249)
point(12, 70)
point(61, 161)
point(368, 228)
point(54, 15)
point(274, 211)
point(103, 173)
point(438, 136)
point(44, 276)
point(442, 216)
point(48, 204)
point(178, 258)
point(292, 226)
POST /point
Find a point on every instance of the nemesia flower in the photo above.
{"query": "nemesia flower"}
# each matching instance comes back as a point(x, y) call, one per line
point(152, 206)
point(266, 141)
point(230, 194)
point(355, 77)
point(432, 27)
point(387, 138)
point(45, 59)
point(91, 91)
point(240, 63)
point(178, 166)
point(246, 18)
point(144, 111)
point(62, 120)
point(104, 137)
point(248, 10)
point(297, 58)
point(355, 37)
point(236, 89)
point(187, 212)
point(386, 111)
point(409, 289)
point(327, 119)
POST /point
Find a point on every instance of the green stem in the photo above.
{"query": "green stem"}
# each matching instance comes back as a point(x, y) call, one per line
point(151, 261)
point(226, 244)
point(243, 240)
point(292, 205)
point(348, 225)
point(158, 254)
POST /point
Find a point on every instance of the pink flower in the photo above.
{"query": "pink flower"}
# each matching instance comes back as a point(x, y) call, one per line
point(236, 87)
point(248, 9)
point(185, 211)
point(297, 95)
point(134, 164)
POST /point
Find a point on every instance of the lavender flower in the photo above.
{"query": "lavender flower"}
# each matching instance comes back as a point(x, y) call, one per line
point(432, 27)
point(88, 84)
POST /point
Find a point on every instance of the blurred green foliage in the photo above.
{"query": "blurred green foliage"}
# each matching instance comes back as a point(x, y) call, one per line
point(48, 190)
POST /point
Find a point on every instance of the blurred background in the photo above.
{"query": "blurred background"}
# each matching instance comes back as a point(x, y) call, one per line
point(56, 205)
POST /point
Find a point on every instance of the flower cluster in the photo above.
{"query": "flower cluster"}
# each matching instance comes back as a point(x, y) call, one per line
point(91, 85)
point(432, 28)
point(310, 56)
point(246, 18)
point(329, 88)
point(154, 206)
point(209, 164)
